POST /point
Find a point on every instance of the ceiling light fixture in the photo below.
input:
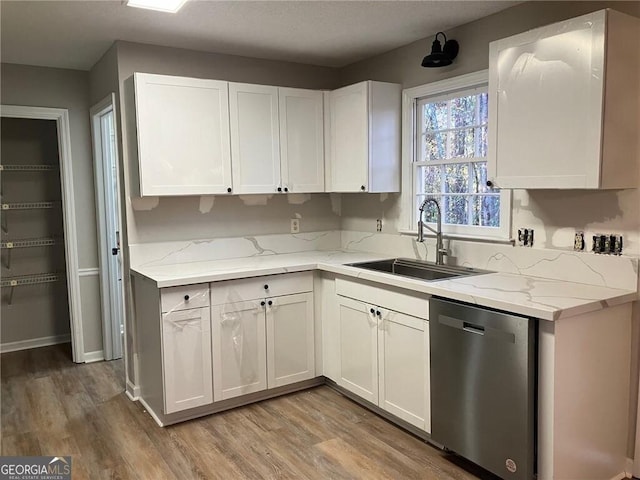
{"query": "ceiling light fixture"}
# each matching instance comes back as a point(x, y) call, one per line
point(441, 56)
point(171, 6)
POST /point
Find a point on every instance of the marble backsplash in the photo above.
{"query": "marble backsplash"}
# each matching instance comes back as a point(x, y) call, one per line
point(581, 267)
point(167, 253)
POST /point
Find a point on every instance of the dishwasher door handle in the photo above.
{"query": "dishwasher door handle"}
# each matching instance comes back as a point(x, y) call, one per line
point(471, 328)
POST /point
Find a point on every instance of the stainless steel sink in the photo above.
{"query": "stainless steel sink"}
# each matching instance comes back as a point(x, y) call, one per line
point(417, 269)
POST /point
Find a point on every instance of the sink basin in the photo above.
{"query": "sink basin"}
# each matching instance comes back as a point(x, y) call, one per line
point(417, 269)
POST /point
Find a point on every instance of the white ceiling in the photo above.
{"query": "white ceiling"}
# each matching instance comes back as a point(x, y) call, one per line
point(75, 34)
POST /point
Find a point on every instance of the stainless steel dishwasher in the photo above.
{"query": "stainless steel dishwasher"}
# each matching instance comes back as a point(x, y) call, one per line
point(483, 386)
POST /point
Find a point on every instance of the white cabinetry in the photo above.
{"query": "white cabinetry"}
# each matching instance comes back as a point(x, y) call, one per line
point(263, 333)
point(563, 107)
point(384, 352)
point(255, 142)
point(276, 139)
point(183, 135)
point(362, 123)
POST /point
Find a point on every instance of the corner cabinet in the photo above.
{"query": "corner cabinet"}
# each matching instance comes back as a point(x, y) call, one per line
point(263, 333)
point(183, 135)
point(562, 105)
point(384, 351)
point(362, 124)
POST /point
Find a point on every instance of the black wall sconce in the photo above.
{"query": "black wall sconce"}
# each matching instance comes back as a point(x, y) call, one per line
point(441, 56)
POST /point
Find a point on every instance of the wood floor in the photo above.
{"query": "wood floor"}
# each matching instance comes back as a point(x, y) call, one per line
point(51, 406)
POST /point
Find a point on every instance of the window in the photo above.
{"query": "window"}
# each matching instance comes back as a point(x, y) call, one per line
point(447, 142)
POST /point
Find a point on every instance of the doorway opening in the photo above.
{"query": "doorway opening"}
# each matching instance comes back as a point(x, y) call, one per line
point(103, 132)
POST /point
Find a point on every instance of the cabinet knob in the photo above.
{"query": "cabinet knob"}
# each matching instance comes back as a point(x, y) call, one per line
point(186, 298)
point(363, 188)
point(286, 189)
point(229, 190)
point(489, 183)
point(262, 303)
point(372, 311)
point(266, 287)
point(269, 303)
point(279, 189)
point(378, 313)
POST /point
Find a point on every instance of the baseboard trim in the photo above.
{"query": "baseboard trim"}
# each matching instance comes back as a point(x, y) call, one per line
point(34, 343)
point(150, 412)
point(97, 356)
point(132, 391)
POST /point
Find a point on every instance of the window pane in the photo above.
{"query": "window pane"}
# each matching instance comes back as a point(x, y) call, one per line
point(455, 210)
point(430, 180)
point(457, 178)
point(435, 146)
point(483, 108)
point(463, 143)
point(436, 116)
point(481, 138)
point(486, 211)
point(463, 111)
point(430, 211)
point(479, 179)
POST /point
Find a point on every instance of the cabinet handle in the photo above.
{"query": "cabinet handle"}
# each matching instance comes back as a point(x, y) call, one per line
point(229, 190)
point(279, 189)
point(286, 189)
point(363, 188)
point(262, 304)
point(266, 287)
point(269, 303)
point(378, 313)
point(186, 298)
point(489, 183)
point(372, 311)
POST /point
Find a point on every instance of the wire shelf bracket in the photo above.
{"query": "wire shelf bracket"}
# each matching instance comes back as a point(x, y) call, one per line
point(13, 282)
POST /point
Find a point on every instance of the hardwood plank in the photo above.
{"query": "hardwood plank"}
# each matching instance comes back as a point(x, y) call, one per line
point(21, 444)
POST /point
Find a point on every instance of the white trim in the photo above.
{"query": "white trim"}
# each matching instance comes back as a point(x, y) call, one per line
point(132, 391)
point(88, 272)
point(61, 116)
point(34, 343)
point(150, 411)
point(97, 356)
point(407, 207)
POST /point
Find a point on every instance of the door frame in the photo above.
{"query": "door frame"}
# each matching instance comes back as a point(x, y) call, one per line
point(61, 117)
point(110, 332)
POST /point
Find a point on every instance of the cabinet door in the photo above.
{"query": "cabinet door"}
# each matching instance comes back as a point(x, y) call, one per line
point(301, 140)
point(290, 339)
point(349, 138)
point(546, 104)
point(239, 349)
point(183, 135)
point(358, 349)
point(403, 346)
point(186, 359)
point(255, 140)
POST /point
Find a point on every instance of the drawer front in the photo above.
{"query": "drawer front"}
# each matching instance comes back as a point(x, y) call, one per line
point(400, 300)
point(261, 287)
point(183, 298)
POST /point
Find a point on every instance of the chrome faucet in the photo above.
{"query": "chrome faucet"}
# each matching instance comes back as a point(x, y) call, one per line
point(440, 250)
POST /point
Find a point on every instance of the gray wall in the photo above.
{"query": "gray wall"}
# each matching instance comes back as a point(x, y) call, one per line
point(554, 215)
point(69, 89)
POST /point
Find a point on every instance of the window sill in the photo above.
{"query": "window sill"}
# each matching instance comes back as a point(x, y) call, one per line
point(461, 236)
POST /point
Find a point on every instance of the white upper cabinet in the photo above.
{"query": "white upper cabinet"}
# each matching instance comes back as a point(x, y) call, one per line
point(301, 140)
point(563, 110)
point(183, 135)
point(255, 139)
point(362, 123)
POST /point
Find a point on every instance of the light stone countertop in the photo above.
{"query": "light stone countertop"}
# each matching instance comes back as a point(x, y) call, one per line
point(525, 295)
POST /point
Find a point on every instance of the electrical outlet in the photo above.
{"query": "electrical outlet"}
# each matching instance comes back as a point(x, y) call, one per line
point(578, 241)
point(379, 225)
point(295, 225)
point(525, 237)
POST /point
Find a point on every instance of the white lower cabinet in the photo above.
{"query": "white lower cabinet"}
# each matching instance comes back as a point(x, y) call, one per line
point(239, 349)
point(264, 342)
point(186, 356)
point(384, 358)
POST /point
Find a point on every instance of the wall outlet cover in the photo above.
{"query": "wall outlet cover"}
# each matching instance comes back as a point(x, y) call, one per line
point(295, 225)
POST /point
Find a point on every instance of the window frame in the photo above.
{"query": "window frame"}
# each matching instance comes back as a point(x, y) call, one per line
point(411, 98)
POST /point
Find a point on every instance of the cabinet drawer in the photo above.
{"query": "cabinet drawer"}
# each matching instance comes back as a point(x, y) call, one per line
point(400, 300)
point(261, 287)
point(183, 298)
